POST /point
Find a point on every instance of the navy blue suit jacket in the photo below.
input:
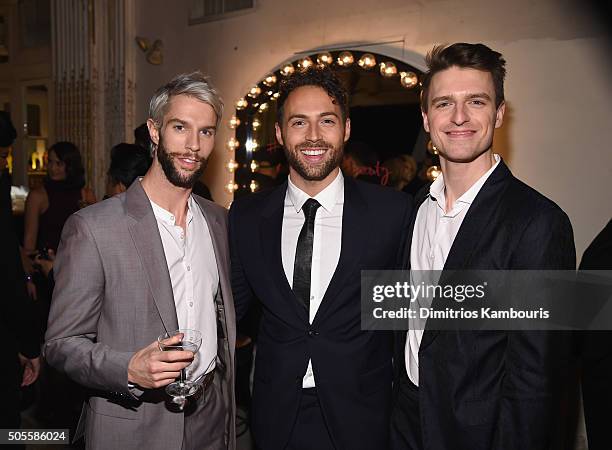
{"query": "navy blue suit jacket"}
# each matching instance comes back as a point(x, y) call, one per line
point(485, 390)
point(353, 368)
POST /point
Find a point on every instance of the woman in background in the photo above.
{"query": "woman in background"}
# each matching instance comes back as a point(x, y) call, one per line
point(47, 208)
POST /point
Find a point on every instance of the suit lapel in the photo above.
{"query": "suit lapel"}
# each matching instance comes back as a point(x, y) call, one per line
point(421, 196)
point(270, 230)
point(147, 240)
point(354, 234)
point(477, 219)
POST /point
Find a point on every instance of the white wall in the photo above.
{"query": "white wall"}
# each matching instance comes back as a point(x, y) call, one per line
point(557, 86)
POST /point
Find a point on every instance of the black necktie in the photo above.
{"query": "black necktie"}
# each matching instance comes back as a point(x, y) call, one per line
point(303, 254)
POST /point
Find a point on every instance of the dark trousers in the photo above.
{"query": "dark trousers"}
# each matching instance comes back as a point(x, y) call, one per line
point(310, 430)
point(405, 419)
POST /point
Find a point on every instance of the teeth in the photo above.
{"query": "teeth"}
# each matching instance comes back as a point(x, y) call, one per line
point(313, 152)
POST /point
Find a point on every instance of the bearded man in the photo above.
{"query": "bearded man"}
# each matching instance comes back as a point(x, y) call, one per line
point(149, 261)
point(320, 380)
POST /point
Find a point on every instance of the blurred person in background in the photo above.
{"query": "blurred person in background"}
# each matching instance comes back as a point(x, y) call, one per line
point(402, 170)
point(47, 208)
point(128, 162)
point(19, 357)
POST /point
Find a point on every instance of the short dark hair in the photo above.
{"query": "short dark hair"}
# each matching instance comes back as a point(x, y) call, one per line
point(70, 155)
point(128, 162)
point(322, 77)
point(465, 56)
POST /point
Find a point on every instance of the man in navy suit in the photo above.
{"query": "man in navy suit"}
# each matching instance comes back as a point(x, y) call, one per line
point(320, 381)
point(478, 390)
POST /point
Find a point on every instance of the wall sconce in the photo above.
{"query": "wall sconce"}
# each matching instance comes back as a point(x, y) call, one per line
point(154, 53)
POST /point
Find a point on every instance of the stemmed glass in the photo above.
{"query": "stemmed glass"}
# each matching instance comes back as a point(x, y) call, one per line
point(182, 388)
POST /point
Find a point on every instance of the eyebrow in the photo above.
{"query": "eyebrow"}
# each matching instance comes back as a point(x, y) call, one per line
point(469, 97)
point(182, 122)
point(304, 116)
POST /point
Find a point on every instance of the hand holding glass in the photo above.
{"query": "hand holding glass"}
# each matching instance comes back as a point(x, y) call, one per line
point(192, 339)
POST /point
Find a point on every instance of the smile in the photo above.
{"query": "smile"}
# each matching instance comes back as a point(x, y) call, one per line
point(460, 134)
point(314, 152)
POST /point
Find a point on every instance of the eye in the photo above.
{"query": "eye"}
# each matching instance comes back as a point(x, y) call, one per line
point(440, 105)
point(208, 132)
point(328, 121)
point(298, 123)
point(179, 127)
point(478, 102)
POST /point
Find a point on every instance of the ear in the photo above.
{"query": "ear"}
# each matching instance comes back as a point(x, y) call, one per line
point(347, 129)
point(425, 120)
point(279, 134)
point(153, 131)
point(499, 115)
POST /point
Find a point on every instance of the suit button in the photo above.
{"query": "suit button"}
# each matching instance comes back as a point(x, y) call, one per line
point(313, 333)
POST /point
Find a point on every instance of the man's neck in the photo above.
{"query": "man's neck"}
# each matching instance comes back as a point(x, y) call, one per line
point(460, 177)
point(166, 195)
point(312, 187)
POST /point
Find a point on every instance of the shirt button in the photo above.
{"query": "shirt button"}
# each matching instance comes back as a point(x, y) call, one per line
point(188, 268)
point(190, 303)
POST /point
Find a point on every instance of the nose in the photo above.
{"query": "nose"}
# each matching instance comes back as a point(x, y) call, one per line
point(313, 134)
point(193, 141)
point(460, 114)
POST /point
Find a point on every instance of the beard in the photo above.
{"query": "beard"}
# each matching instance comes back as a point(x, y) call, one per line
point(174, 176)
point(314, 172)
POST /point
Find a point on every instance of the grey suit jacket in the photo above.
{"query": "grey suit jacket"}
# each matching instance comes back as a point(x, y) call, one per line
point(112, 297)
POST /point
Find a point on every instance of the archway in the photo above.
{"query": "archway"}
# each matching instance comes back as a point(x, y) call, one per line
point(387, 140)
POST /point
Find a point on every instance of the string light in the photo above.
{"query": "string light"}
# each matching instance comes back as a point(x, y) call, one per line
point(232, 166)
point(324, 59)
point(234, 122)
point(255, 124)
point(287, 69)
point(388, 69)
point(253, 186)
point(232, 144)
point(345, 59)
point(270, 80)
point(231, 186)
point(409, 79)
point(304, 63)
point(254, 166)
point(251, 145)
point(433, 172)
point(254, 92)
point(241, 104)
point(367, 61)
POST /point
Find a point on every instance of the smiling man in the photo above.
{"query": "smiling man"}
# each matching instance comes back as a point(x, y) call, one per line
point(148, 261)
point(320, 381)
point(473, 390)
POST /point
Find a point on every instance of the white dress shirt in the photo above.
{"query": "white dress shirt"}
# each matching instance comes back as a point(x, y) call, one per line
point(326, 244)
point(433, 236)
point(195, 279)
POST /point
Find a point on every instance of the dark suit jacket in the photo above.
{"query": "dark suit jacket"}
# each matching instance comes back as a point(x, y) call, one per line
point(353, 369)
point(596, 355)
point(495, 389)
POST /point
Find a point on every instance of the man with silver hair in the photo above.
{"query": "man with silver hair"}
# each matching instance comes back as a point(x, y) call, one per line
point(141, 264)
